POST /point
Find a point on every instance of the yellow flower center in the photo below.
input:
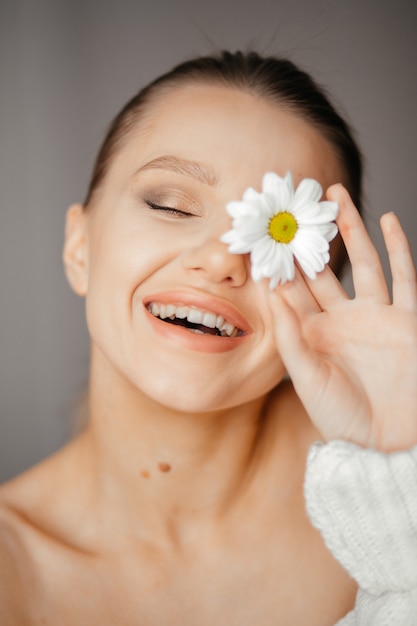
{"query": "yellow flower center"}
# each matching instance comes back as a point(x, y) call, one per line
point(282, 227)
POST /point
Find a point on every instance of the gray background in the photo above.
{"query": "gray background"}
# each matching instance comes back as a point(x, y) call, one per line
point(66, 68)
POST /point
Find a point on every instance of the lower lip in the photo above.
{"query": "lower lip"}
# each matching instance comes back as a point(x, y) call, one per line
point(190, 340)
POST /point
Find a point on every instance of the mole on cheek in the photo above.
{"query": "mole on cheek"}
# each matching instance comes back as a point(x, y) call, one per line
point(164, 467)
point(145, 474)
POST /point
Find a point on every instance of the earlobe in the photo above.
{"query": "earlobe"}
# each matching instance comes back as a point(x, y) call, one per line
point(75, 252)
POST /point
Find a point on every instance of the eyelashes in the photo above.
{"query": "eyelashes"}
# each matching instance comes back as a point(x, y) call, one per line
point(168, 210)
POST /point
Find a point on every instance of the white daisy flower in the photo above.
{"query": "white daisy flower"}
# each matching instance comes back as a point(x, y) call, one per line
point(281, 224)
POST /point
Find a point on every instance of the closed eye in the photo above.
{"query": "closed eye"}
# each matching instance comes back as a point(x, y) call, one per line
point(168, 209)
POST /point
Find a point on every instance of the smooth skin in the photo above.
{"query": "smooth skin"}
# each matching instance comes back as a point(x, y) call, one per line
point(182, 500)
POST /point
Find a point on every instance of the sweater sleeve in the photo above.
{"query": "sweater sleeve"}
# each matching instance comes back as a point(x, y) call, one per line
point(364, 503)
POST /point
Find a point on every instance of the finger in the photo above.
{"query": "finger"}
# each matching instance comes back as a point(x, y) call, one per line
point(368, 276)
point(300, 361)
point(404, 280)
point(299, 296)
point(326, 289)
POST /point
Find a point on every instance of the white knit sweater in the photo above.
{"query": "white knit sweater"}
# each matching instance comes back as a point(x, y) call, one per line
point(364, 503)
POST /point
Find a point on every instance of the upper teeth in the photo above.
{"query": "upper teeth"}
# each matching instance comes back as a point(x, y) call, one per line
point(193, 315)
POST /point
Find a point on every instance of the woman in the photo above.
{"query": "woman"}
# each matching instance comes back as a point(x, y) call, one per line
point(182, 501)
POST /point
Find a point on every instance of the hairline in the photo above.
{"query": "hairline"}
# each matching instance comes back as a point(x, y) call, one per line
point(142, 114)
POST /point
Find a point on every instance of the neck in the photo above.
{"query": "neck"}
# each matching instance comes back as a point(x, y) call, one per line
point(171, 470)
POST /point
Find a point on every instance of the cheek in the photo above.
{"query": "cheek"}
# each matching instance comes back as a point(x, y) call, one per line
point(124, 264)
point(119, 262)
point(267, 373)
point(123, 256)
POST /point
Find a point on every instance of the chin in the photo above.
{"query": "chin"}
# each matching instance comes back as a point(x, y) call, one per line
point(183, 382)
point(192, 398)
point(202, 395)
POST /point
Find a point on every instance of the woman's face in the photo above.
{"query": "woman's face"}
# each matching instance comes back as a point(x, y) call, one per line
point(200, 147)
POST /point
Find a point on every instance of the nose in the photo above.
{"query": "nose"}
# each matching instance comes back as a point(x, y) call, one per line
point(214, 263)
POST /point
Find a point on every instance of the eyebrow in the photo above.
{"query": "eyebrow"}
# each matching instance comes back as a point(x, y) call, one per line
point(184, 167)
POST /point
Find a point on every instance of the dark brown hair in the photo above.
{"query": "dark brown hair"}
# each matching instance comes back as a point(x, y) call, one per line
point(276, 79)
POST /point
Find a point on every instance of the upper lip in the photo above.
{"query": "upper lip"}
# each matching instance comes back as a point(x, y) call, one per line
point(206, 302)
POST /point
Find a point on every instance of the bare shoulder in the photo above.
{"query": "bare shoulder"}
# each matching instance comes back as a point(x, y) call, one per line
point(29, 537)
point(12, 559)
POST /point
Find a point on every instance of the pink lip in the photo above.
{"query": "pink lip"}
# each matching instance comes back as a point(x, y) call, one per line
point(194, 341)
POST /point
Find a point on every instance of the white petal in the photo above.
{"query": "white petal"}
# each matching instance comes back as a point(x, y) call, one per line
point(257, 273)
point(310, 260)
point(267, 205)
point(329, 231)
point(263, 252)
point(284, 269)
point(237, 245)
point(250, 195)
point(238, 209)
point(252, 235)
point(290, 183)
point(309, 190)
point(309, 265)
point(240, 247)
point(230, 237)
point(287, 267)
point(271, 181)
point(288, 262)
point(313, 213)
point(307, 213)
point(274, 281)
point(326, 257)
point(251, 223)
point(276, 191)
point(262, 258)
point(311, 238)
point(274, 267)
point(331, 208)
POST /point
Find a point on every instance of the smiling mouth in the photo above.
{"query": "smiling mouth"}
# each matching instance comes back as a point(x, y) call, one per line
point(193, 319)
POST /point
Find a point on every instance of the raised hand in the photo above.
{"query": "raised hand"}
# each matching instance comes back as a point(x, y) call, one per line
point(353, 362)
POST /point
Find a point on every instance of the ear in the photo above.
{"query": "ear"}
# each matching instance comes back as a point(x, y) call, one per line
point(75, 252)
